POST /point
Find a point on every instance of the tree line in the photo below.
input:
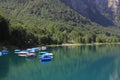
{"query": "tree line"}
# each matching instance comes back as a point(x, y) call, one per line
point(57, 33)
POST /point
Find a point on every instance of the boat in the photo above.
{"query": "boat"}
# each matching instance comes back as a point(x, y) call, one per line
point(46, 54)
point(16, 51)
point(45, 58)
point(43, 48)
point(0, 53)
point(5, 51)
point(23, 53)
point(30, 54)
point(49, 54)
point(33, 50)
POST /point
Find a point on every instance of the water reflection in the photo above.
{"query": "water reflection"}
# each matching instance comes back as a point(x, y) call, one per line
point(91, 62)
point(115, 74)
point(30, 58)
point(4, 66)
point(45, 62)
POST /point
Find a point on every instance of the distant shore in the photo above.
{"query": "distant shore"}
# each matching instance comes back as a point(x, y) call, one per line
point(89, 44)
point(3, 46)
point(77, 44)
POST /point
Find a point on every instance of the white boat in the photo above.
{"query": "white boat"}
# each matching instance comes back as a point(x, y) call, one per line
point(50, 54)
point(31, 54)
point(43, 48)
point(23, 53)
point(16, 51)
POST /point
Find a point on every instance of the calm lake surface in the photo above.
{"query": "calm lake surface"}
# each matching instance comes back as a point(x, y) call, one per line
point(91, 62)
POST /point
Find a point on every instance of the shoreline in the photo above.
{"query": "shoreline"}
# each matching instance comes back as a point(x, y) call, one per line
point(78, 44)
point(64, 44)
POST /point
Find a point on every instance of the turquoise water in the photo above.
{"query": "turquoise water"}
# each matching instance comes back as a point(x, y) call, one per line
point(95, 62)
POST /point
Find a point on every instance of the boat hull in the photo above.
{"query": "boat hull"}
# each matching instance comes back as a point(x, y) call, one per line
point(45, 58)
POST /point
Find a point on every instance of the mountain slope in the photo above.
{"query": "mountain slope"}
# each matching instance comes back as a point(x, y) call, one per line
point(52, 22)
point(44, 9)
point(103, 12)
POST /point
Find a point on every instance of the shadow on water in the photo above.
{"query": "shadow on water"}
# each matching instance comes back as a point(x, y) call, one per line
point(4, 66)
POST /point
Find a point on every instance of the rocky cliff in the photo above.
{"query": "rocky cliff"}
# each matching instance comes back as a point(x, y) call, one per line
point(104, 12)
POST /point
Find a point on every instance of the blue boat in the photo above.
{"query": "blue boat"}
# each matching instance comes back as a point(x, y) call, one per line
point(0, 53)
point(45, 58)
point(29, 49)
point(16, 51)
point(5, 51)
point(33, 50)
point(46, 54)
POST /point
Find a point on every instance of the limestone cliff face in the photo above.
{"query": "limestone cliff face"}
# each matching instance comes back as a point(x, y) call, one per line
point(114, 5)
point(110, 7)
point(104, 12)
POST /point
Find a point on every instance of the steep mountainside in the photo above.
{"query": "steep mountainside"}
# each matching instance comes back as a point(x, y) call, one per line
point(43, 9)
point(104, 12)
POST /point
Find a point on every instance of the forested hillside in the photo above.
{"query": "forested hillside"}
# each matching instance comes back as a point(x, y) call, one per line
point(4, 29)
point(34, 22)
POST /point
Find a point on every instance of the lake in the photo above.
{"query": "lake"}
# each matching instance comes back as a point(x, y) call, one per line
point(86, 62)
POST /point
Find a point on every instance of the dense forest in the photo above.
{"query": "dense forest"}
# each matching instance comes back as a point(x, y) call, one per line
point(38, 22)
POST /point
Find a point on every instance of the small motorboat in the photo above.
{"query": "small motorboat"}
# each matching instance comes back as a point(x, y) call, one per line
point(30, 54)
point(5, 51)
point(43, 48)
point(23, 53)
point(45, 58)
point(35, 49)
point(0, 53)
point(16, 51)
point(49, 54)
point(46, 54)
